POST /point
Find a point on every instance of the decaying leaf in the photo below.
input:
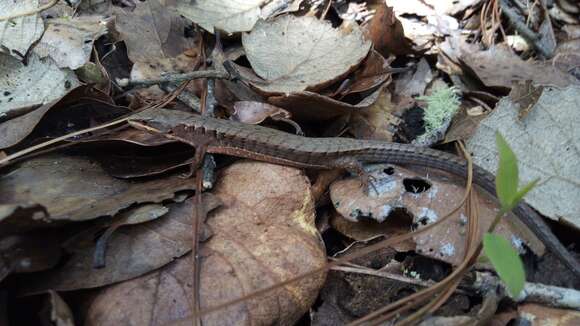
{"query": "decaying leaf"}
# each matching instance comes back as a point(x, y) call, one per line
point(18, 34)
point(546, 144)
point(23, 87)
point(294, 54)
point(426, 196)
point(69, 41)
point(259, 238)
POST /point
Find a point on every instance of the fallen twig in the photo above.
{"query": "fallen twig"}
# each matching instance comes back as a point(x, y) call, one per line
point(173, 78)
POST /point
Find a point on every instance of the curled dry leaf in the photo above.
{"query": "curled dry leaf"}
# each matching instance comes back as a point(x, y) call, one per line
point(294, 54)
point(20, 33)
point(262, 235)
point(69, 41)
point(386, 32)
point(256, 112)
point(310, 106)
point(131, 252)
point(373, 72)
point(89, 191)
point(23, 87)
point(426, 199)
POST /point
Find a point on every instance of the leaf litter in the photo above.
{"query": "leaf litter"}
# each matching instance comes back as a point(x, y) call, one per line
point(110, 209)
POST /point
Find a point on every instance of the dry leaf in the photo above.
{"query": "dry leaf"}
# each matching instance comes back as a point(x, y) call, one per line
point(536, 314)
point(463, 125)
point(374, 71)
point(23, 87)
point(426, 196)
point(386, 32)
point(233, 15)
point(131, 252)
point(89, 192)
point(69, 41)
point(294, 54)
point(499, 67)
point(262, 235)
point(546, 144)
point(18, 34)
point(227, 15)
point(152, 31)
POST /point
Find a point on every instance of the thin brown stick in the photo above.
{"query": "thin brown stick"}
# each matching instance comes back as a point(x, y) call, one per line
point(197, 217)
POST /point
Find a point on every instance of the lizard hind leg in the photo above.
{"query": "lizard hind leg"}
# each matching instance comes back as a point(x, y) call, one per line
point(354, 166)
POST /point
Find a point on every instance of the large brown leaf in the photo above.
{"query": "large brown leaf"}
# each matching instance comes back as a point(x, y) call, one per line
point(262, 235)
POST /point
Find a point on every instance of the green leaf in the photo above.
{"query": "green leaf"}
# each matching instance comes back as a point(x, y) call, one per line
point(522, 192)
point(506, 262)
point(506, 181)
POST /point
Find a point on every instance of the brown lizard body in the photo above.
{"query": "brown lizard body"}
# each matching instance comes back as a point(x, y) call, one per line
point(274, 146)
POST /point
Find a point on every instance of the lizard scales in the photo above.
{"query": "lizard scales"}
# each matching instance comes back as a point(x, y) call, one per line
point(274, 146)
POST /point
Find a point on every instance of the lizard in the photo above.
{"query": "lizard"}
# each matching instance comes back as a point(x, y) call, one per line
point(255, 142)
